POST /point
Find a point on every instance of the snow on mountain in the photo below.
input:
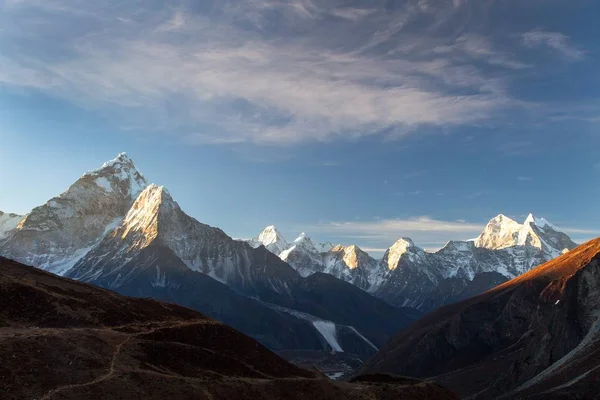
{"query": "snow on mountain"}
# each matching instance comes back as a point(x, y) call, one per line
point(119, 174)
point(409, 276)
point(505, 248)
point(348, 263)
point(155, 221)
point(502, 232)
point(303, 255)
point(111, 216)
point(55, 235)
point(328, 331)
point(8, 222)
point(499, 233)
point(272, 239)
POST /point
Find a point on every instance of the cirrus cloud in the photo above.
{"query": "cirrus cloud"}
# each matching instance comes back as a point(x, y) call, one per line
point(265, 71)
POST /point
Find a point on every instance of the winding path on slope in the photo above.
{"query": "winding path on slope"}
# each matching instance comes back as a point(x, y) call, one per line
point(111, 368)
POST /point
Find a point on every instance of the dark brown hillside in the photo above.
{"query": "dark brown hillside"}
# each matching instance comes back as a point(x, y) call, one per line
point(61, 339)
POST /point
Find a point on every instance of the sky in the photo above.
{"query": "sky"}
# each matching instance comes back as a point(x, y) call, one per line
point(356, 122)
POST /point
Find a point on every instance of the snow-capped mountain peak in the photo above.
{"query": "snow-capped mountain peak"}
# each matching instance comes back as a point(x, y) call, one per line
point(305, 241)
point(397, 250)
point(55, 235)
point(270, 235)
point(119, 174)
point(539, 222)
point(500, 232)
point(272, 239)
point(351, 255)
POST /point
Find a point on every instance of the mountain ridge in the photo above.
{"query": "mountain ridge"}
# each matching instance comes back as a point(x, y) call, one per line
point(539, 334)
point(149, 247)
point(409, 276)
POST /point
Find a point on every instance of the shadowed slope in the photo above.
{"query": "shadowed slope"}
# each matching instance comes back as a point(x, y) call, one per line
point(62, 339)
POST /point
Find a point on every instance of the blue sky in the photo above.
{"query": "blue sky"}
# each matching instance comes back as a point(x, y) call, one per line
point(357, 122)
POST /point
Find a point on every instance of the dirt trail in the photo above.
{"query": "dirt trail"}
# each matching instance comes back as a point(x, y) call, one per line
point(111, 368)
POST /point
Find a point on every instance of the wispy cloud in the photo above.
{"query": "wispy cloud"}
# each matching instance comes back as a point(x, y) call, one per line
point(374, 249)
point(594, 232)
point(267, 71)
point(423, 230)
point(555, 41)
point(180, 68)
point(398, 226)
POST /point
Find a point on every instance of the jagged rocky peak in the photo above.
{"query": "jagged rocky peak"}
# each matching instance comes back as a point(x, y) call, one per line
point(539, 222)
point(119, 174)
point(272, 239)
point(539, 233)
point(351, 255)
point(106, 191)
point(142, 218)
point(303, 238)
point(270, 235)
point(499, 233)
point(502, 232)
point(393, 254)
point(304, 242)
point(54, 235)
point(157, 233)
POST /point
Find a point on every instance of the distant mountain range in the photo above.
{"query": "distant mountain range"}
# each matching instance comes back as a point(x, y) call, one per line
point(536, 337)
point(338, 305)
point(115, 230)
point(409, 276)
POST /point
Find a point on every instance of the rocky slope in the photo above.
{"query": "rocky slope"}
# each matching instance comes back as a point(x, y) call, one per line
point(536, 336)
point(61, 339)
point(8, 222)
point(55, 235)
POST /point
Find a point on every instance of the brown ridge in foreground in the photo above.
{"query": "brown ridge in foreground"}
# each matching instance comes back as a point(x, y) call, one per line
point(534, 337)
point(62, 339)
